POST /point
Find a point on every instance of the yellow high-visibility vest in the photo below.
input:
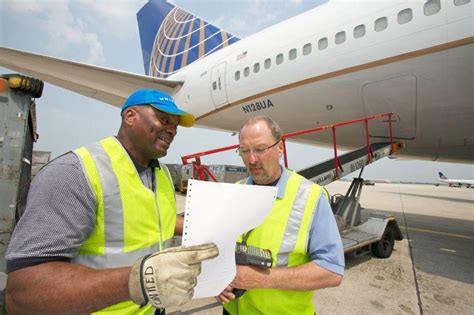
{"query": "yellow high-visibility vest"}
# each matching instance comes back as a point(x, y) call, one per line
point(286, 233)
point(132, 220)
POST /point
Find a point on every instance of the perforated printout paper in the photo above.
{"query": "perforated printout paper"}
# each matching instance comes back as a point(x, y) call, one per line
point(219, 213)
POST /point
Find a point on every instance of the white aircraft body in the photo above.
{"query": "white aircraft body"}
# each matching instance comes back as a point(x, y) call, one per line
point(455, 182)
point(339, 61)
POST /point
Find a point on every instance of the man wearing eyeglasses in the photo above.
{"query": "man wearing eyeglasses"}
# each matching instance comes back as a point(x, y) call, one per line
point(301, 233)
point(99, 221)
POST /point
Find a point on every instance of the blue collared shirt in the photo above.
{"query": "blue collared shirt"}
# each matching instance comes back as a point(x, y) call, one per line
point(324, 245)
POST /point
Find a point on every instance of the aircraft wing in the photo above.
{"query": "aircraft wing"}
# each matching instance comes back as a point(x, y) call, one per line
point(103, 84)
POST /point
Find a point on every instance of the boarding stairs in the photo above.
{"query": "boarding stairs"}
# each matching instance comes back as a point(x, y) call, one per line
point(357, 237)
point(324, 173)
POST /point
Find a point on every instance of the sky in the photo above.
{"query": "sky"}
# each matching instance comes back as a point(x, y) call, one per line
point(105, 33)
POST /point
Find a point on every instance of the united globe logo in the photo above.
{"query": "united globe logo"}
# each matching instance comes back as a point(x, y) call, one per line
point(182, 38)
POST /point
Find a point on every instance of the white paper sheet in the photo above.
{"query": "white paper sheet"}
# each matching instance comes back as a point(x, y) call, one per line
point(219, 213)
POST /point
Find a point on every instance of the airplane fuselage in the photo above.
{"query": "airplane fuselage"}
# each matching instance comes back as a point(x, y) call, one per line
point(458, 182)
point(373, 57)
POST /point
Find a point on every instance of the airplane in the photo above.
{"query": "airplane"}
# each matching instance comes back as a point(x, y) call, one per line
point(455, 182)
point(341, 60)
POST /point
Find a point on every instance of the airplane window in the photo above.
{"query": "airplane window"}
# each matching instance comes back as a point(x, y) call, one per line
point(256, 67)
point(359, 31)
point(214, 85)
point(431, 7)
point(307, 49)
point(461, 2)
point(237, 75)
point(380, 24)
point(323, 43)
point(279, 59)
point(292, 54)
point(340, 38)
point(246, 71)
point(405, 16)
point(267, 63)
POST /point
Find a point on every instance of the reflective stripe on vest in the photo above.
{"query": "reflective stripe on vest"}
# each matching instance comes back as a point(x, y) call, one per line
point(132, 220)
point(286, 233)
point(294, 223)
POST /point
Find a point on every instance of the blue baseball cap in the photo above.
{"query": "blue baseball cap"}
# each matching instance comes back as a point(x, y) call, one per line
point(161, 101)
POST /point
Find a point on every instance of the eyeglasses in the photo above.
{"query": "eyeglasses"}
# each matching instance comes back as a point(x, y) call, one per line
point(244, 152)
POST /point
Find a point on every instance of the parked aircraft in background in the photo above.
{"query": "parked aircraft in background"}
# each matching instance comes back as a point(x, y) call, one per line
point(455, 182)
point(339, 61)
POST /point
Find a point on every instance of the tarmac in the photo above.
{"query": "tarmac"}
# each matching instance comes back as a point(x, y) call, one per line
point(430, 271)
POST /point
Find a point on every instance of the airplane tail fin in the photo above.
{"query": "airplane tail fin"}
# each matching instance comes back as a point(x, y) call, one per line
point(172, 38)
point(442, 176)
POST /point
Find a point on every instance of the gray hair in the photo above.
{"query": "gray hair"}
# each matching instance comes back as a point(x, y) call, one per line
point(272, 125)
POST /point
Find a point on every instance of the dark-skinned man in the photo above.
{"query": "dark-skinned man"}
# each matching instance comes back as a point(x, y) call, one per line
point(99, 221)
point(300, 231)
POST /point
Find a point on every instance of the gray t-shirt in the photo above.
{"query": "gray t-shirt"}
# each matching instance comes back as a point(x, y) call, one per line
point(60, 214)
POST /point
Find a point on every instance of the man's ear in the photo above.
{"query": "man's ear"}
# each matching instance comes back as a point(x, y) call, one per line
point(280, 147)
point(129, 115)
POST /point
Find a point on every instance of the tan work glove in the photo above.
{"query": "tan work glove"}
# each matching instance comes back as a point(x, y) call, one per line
point(167, 278)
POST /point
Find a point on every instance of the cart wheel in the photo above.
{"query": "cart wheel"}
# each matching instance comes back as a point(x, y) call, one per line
point(384, 247)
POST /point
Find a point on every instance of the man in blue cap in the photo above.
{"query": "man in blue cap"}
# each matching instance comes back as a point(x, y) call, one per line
point(97, 229)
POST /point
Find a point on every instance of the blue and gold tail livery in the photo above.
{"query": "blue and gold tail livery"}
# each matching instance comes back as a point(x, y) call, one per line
point(172, 38)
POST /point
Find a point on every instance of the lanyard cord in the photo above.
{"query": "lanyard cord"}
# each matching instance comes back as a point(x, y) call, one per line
point(246, 236)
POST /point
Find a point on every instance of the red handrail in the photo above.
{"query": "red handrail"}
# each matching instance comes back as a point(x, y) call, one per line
point(185, 158)
point(201, 169)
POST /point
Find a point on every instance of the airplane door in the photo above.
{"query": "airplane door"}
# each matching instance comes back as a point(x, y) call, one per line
point(396, 95)
point(218, 90)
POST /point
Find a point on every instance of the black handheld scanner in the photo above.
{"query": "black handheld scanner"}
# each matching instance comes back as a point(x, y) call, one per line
point(251, 255)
